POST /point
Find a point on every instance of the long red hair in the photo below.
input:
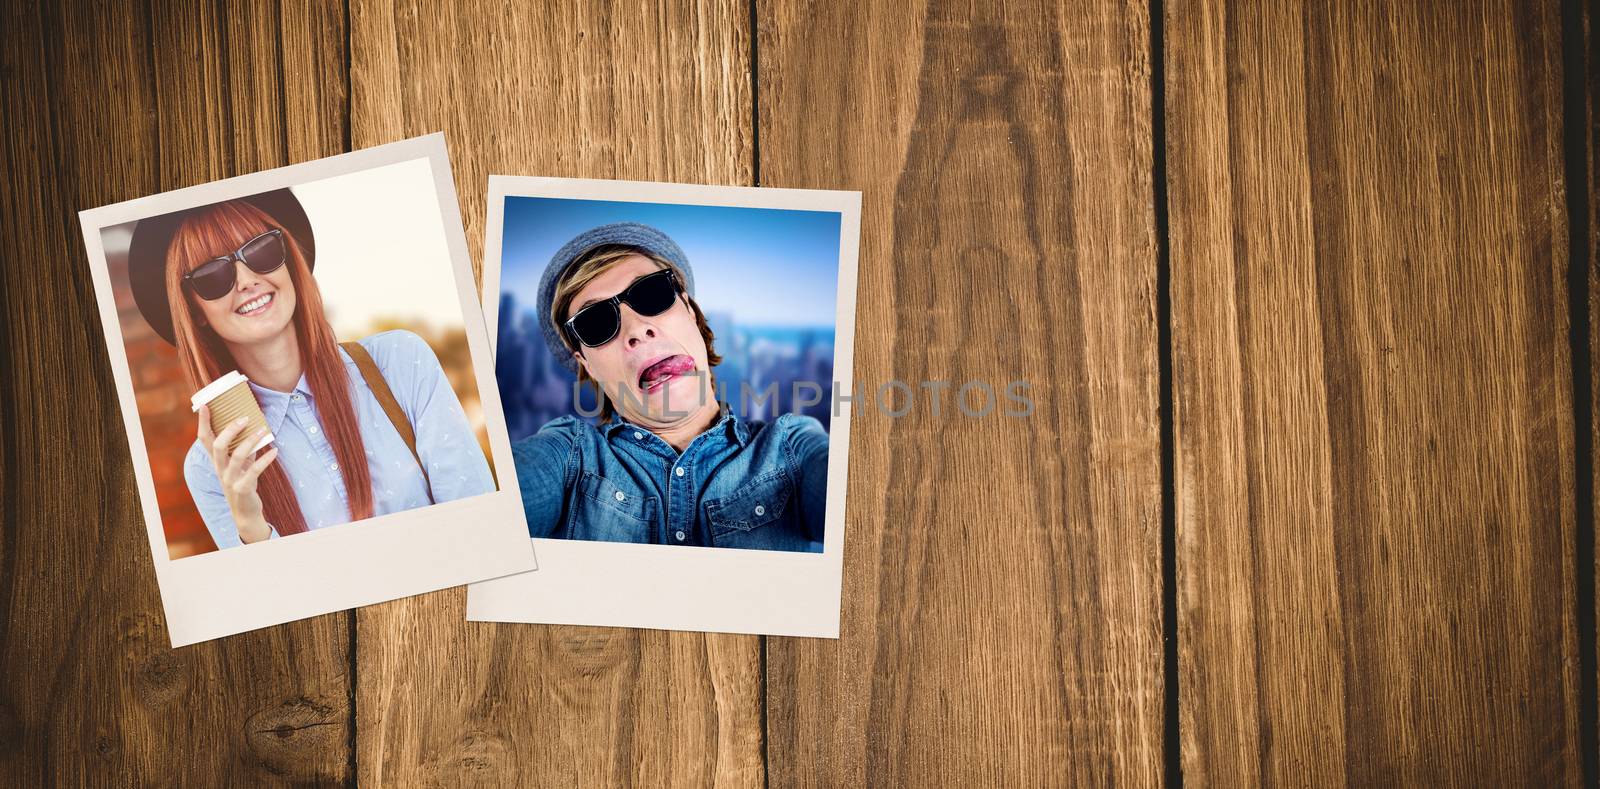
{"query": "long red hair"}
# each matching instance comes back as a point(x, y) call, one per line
point(216, 230)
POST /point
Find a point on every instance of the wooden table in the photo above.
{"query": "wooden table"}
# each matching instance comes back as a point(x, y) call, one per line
point(1303, 292)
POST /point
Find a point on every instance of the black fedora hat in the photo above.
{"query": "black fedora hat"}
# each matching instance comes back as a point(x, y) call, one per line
point(147, 253)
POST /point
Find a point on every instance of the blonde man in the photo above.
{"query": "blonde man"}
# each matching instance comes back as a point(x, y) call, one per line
point(668, 463)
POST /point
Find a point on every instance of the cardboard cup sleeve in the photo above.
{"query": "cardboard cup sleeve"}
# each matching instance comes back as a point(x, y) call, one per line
point(230, 398)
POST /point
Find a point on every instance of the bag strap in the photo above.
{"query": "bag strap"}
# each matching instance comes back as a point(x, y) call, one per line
point(391, 407)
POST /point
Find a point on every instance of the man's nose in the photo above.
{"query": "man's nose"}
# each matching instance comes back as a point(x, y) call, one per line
point(636, 328)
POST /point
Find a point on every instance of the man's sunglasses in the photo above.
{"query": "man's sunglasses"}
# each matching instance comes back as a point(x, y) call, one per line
point(214, 278)
point(598, 323)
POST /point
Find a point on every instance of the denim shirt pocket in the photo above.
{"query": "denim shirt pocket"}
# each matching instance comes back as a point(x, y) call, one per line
point(611, 511)
point(752, 506)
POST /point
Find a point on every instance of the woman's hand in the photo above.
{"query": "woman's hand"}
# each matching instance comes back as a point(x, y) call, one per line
point(238, 471)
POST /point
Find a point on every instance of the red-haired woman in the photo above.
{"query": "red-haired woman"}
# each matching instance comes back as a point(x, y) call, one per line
point(230, 284)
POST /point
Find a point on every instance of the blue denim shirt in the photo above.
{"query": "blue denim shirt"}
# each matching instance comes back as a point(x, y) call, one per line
point(445, 441)
point(737, 485)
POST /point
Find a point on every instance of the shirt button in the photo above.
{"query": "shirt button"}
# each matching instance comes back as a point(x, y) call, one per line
point(760, 510)
point(334, 466)
point(678, 471)
point(680, 535)
point(621, 496)
point(312, 430)
point(638, 435)
point(295, 396)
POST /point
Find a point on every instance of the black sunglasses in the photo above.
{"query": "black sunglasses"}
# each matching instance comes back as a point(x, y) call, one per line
point(214, 278)
point(650, 295)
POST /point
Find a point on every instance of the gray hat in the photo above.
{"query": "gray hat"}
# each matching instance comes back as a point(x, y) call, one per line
point(629, 234)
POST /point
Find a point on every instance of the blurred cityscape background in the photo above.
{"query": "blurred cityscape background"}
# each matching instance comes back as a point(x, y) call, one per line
point(766, 279)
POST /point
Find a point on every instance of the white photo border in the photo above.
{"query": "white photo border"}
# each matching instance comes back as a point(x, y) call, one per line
point(721, 590)
point(384, 558)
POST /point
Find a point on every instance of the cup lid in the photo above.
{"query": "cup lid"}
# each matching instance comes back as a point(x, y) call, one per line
point(231, 379)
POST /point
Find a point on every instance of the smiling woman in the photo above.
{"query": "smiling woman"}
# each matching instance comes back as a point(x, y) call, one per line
point(357, 429)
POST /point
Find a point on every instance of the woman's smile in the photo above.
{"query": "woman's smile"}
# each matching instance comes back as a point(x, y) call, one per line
point(256, 306)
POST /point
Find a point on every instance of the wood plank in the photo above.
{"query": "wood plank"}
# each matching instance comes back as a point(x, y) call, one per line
point(1590, 42)
point(103, 107)
point(657, 92)
point(1002, 616)
point(1373, 394)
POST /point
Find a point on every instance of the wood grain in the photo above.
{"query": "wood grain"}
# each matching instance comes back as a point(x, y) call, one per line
point(103, 107)
point(1002, 575)
point(1375, 478)
point(659, 93)
point(1591, 137)
point(1373, 397)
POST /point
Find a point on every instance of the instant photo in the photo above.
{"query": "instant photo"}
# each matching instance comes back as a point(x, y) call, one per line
point(307, 388)
point(670, 358)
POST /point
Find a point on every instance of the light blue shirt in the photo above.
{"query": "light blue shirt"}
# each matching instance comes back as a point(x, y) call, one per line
point(445, 441)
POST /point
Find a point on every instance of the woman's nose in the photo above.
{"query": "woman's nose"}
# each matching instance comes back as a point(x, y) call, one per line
point(243, 277)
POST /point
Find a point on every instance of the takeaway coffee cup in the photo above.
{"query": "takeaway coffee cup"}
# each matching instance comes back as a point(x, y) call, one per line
point(230, 398)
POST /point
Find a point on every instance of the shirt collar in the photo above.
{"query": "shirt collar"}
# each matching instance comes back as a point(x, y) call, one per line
point(730, 424)
point(275, 404)
point(736, 428)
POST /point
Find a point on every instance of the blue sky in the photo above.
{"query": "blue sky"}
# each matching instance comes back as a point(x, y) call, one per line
point(765, 266)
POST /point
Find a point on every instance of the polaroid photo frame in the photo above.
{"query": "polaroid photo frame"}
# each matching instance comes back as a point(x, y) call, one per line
point(591, 581)
point(474, 531)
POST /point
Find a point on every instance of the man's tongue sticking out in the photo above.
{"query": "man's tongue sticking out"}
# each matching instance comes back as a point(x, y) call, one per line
point(656, 375)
